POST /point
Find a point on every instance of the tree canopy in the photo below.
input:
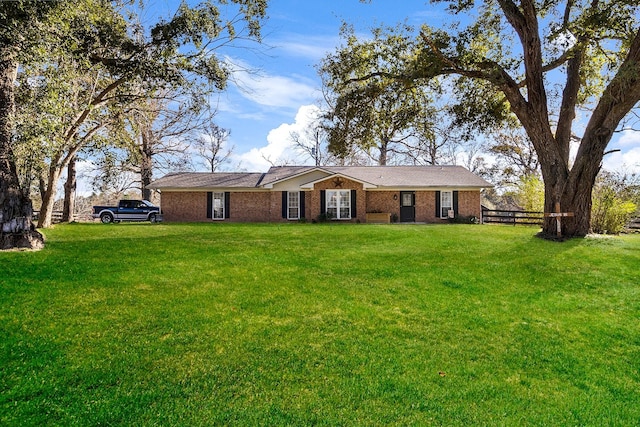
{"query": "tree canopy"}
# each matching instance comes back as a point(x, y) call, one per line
point(89, 60)
point(371, 109)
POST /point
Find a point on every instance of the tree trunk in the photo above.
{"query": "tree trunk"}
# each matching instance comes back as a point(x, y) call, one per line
point(574, 201)
point(384, 151)
point(70, 192)
point(146, 162)
point(42, 184)
point(146, 181)
point(16, 228)
point(48, 198)
point(572, 189)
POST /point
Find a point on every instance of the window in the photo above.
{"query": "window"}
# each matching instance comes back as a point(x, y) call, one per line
point(339, 204)
point(218, 206)
point(293, 202)
point(407, 199)
point(446, 203)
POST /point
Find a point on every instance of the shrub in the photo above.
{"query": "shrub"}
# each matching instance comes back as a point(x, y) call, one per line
point(610, 213)
point(324, 217)
point(461, 219)
point(612, 206)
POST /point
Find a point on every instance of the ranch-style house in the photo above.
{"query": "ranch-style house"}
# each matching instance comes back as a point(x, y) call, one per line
point(342, 193)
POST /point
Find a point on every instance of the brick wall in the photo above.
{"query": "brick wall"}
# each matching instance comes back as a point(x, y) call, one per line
point(469, 203)
point(426, 206)
point(267, 206)
point(192, 206)
point(252, 206)
point(184, 207)
point(383, 201)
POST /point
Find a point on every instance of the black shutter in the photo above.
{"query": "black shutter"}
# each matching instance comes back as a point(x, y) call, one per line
point(455, 203)
point(209, 204)
point(323, 201)
point(302, 211)
point(354, 210)
point(285, 194)
point(227, 204)
point(437, 204)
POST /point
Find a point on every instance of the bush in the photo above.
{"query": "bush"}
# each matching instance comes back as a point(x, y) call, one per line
point(465, 220)
point(612, 208)
point(610, 213)
point(324, 217)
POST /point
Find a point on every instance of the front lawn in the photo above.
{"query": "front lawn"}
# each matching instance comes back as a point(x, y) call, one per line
point(319, 324)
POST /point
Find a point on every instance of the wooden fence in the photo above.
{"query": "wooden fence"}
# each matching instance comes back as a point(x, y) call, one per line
point(56, 216)
point(495, 216)
point(634, 225)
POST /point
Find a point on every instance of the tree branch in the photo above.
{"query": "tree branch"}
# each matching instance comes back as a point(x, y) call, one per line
point(568, 104)
point(618, 98)
point(96, 101)
point(487, 70)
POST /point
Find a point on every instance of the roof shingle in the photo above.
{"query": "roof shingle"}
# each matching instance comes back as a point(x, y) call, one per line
point(378, 176)
point(207, 180)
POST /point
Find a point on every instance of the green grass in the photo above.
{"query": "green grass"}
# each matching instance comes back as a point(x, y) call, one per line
point(319, 324)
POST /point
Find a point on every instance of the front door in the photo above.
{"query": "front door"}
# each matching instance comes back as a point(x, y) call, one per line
point(407, 206)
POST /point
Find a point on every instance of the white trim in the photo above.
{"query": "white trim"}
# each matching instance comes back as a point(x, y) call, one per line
point(442, 206)
point(438, 188)
point(338, 203)
point(299, 174)
point(365, 185)
point(212, 189)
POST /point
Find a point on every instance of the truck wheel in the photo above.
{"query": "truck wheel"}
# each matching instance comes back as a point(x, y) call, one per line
point(152, 217)
point(106, 218)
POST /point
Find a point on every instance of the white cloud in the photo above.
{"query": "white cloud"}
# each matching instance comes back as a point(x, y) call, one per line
point(628, 158)
point(279, 149)
point(623, 161)
point(270, 90)
point(313, 47)
point(629, 138)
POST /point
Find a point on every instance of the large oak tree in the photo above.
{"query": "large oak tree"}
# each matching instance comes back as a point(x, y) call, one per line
point(546, 61)
point(21, 23)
